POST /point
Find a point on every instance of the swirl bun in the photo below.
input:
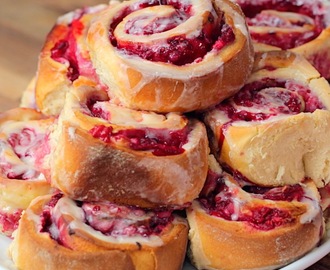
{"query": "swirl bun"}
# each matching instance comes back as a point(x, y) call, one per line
point(128, 156)
point(171, 57)
point(265, 228)
point(65, 234)
point(273, 130)
point(24, 150)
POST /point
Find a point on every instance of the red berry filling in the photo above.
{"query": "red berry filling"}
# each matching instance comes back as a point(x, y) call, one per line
point(63, 52)
point(94, 110)
point(114, 220)
point(178, 50)
point(285, 193)
point(321, 63)
point(108, 218)
point(219, 201)
point(46, 215)
point(255, 17)
point(211, 183)
point(158, 25)
point(66, 50)
point(293, 99)
point(9, 221)
point(31, 148)
point(161, 142)
point(252, 8)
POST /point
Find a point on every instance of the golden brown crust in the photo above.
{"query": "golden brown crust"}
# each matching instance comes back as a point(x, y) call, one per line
point(48, 94)
point(164, 87)
point(285, 148)
point(217, 243)
point(32, 248)
point(87, 168)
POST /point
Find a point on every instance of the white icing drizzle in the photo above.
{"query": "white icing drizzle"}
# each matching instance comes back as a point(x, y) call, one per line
point(270, 100)
point(122, 116)
point(312, 203)
point(66, 206)
point(191, 27)
point(283, 22)
point(241, 199)
point(149, 76)
point(25, 158)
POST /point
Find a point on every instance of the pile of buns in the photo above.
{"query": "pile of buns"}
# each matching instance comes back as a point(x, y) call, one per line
point(159, 129)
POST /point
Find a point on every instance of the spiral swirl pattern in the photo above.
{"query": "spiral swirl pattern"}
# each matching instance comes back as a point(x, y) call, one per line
point(241, 218)
point(89, 234)
point(299, 26)
point(161, 55)
point(284, 105)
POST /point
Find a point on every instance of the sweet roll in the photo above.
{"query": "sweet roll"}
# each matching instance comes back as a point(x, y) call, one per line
point(103, 151)
point(65, 234)
point(24, 152)
point(274, 130)
point(236, 225)
point(171, 56)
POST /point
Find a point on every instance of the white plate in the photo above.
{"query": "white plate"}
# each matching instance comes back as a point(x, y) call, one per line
point(306, 261)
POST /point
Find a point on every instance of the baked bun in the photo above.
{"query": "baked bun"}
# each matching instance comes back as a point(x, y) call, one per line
point(299, 26)
point(24, 149)
point(64, 60)
point(239, 226)
point(65, 234)
point(274, 130)
point(102, 151)
point(176, 57)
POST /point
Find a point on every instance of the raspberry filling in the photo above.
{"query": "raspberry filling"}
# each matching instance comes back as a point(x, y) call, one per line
point(114, 220)
point(9, 221)
point(63, 52)
point(66, 50)
point(220, 201)
point(263, 99)
point(108, 218)
point(285, 193)
point(161, 142)
point(31, 148)
point(179, 49)
point(311, 21)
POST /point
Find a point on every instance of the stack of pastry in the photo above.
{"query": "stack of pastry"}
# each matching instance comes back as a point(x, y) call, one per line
point(270, 139)
point(142, 102)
